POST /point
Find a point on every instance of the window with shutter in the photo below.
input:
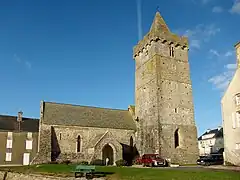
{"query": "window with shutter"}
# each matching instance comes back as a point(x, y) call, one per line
point(237, 146)
point(10, 135)
point(238, 99)
point(29, 135)
point(238, 119)
point(29, 144)
point(8, 156)
point(9, 143)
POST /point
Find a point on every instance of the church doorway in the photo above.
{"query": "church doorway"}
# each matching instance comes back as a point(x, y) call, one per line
point(107, 152)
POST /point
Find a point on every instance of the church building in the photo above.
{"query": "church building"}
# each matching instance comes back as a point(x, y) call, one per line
point(161, 121)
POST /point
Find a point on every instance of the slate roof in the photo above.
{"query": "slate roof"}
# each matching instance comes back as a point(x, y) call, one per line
point(9, 123)
point(217, 133)
point(86, 116)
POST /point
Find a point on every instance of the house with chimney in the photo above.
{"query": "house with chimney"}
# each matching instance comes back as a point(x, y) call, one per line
point(211, 142)
point(19, 139)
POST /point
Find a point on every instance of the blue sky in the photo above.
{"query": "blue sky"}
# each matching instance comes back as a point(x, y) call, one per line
point(80, 52)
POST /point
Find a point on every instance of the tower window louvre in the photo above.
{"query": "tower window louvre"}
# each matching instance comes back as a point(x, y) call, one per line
point(171, 51)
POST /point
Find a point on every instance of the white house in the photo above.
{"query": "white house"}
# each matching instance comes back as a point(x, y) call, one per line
point(230, 104)
point(211, 142)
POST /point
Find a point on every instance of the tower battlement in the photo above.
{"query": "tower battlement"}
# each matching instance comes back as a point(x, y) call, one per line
point(169, 38)
point(159, 31)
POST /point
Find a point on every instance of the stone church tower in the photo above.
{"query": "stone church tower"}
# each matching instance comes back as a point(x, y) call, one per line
point(163, 95)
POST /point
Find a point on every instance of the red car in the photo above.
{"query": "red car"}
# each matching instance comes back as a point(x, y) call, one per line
point(152, 160)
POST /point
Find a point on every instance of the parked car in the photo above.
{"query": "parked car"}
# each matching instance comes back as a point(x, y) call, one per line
point(152, 160)
point(212, 159)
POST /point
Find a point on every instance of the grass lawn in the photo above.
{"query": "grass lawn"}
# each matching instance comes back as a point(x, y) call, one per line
point(127, 173)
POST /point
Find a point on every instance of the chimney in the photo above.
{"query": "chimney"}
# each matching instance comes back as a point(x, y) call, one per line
point(219, 128)
point(208, 130)
point(19, 118)
point(237, 47)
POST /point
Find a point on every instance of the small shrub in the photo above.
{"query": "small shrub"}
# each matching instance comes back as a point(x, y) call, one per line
point(97, 162)
point(83, 163)
point(228, 164)
point(121, 162)
point(67, 162)
point(137, 161)
point(52, 162)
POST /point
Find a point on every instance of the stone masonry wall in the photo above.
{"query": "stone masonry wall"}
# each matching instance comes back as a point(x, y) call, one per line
point(44, 145)
point(186, 152)
point(164, 101)
point(92, 142)
point(20, 176)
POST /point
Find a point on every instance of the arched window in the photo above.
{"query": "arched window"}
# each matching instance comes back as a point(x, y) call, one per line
point(78, 143)
point(176, 138)
point(131, 141)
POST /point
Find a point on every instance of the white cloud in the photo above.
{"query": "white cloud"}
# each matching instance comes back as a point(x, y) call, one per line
point(28, 64)
point(199, 35)
point(217, 9)
point(195, 43)
point(214, 52)
point(206, 1)
point(19, 60)
point(236, 7)
point(231, 66)
point(228, 53)
point(221, 56)
point(222, 80)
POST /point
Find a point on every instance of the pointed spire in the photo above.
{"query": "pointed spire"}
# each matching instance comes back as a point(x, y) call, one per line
point(159, 24)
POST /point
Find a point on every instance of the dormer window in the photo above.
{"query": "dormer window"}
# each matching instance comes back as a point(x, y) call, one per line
point(237, 99)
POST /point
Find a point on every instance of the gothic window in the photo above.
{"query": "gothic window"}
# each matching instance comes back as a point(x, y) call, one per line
point(78, 143)
point(131, 141)
point(176, 138)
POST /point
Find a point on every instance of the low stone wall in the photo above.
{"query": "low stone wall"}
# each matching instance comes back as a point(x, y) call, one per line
point(20, 176)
